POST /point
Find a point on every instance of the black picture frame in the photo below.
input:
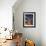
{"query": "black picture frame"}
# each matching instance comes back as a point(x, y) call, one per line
point(29, 19)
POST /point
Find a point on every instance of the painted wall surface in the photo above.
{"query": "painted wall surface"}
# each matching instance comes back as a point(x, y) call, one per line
point(38, 34)
point(29, 33)
point(35, 34)
point(6, 13)
point(43, 22)
point(6, 16)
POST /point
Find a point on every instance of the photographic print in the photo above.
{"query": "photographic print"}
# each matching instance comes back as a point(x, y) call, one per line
point(29, 19)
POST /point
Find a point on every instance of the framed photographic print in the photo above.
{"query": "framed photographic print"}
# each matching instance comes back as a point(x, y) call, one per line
point(29, 19)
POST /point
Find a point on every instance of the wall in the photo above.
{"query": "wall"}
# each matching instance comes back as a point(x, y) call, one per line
point(6, 13)
point(6, 16)
point(29, 33)
point(43, 22)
